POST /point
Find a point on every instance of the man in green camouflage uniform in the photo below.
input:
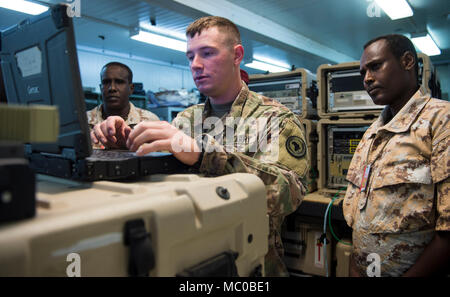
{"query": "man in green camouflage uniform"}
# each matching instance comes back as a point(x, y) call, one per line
point(236, 130)
point(398, 200)
point(116, 87)
point(281, 173)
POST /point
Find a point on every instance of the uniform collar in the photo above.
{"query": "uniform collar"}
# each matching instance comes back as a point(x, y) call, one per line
point(98, 115)
point(406, 116)
point(131, 117)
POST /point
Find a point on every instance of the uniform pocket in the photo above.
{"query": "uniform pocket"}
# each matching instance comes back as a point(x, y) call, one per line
point(401, 198)
point(403, 171)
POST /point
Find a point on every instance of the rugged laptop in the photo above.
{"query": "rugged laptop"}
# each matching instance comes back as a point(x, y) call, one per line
point(40, 66)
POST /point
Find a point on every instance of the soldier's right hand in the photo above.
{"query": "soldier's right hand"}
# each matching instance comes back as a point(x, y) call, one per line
point(112, 133)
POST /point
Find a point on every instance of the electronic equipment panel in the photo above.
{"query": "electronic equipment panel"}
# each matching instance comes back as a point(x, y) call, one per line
point(295, 89)
point(338, 140)
point(341, 144)
point(342, 93)
point(346, 92)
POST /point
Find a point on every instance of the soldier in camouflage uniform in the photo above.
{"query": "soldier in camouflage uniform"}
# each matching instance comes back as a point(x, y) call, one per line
point(281, 172)
point(398, 200)
point(116, 86)
point(135, 116)
point(279, 156)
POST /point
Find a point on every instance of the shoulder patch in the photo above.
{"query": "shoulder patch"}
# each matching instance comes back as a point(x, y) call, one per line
point(295, 146)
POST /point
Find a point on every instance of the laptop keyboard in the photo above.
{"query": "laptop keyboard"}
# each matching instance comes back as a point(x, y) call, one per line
point(98, 154)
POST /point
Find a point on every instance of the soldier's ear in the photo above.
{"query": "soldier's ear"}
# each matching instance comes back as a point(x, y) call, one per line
point(238, 53)
point(408, 61)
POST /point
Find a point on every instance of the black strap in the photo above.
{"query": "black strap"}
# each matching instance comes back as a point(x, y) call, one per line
point(141, 256)
point(222, 265)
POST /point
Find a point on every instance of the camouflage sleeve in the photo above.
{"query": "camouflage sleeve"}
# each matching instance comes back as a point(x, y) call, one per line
point(141, 115)
point(185, 119)
point(440, 172)
point(443, 206)
point(280, 168)
point(440, 169)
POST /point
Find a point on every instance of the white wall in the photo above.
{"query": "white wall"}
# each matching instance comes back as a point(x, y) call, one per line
point(153, 74)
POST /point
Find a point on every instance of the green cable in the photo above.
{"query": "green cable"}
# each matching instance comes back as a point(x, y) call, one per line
point(329, 218)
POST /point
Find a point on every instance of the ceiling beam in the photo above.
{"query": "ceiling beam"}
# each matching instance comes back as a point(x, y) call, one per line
point(258, 24)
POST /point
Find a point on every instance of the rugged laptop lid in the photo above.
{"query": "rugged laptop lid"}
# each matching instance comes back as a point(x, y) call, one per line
point(40, 66)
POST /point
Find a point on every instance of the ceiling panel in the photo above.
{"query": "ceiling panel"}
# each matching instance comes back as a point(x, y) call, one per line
point(341, 25)
point(345, 24)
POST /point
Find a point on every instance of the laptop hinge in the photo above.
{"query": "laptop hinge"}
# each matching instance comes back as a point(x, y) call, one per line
point(69, 153)
point(222, 265)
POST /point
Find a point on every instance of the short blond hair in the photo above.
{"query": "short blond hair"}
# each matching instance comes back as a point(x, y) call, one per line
point(207, 22)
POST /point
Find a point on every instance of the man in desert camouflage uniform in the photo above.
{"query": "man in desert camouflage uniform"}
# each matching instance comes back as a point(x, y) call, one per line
point(116, 87)
point(215, 52)
point(398, 200)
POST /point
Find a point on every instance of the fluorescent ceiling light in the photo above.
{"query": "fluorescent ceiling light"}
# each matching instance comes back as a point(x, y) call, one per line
point(162, 31)
point(23, 6)
point(160, 40)
point(395, 9)
point(270, 60)
point(426, 45)
point(265, 66)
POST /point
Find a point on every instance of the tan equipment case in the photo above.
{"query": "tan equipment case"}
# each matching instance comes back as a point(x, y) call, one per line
point(428, 76)
point(303, 250)
point(182, 225)
point(343, 254)
point(342, 94)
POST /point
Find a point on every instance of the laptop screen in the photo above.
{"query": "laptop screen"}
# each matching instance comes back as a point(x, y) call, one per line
point(40, 66)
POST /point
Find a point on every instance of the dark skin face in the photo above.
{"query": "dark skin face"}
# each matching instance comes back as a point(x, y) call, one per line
point(387, 79)
point(116, 90)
